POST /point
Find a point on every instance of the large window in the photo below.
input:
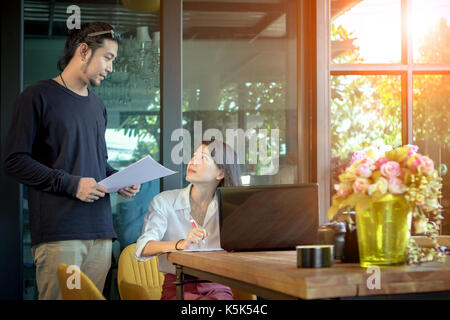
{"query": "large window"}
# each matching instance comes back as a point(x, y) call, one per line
point(390, 80)
point(240, 78)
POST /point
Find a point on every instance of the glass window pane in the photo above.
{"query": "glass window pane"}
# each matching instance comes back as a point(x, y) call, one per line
point(367, 31)
point(131, 95)
point(364, 110)
point(431, 119)
point(239, 75)
point(431, 31)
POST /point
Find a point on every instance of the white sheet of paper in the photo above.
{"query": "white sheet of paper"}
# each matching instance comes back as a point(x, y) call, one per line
point(197, 250)
point(139, 172)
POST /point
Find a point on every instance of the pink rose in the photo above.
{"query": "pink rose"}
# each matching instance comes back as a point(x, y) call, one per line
point(361, 185)
point(364, 170)
point(380, 162)
point(390, 169)
point(427, 165)
point(358, 155)
point(396, 186)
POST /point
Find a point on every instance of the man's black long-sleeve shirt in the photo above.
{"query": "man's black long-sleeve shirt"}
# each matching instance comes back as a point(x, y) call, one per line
point(57, 137)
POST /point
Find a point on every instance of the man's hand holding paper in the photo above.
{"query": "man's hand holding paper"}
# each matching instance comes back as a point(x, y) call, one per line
point(129, 192)
point(89, 191)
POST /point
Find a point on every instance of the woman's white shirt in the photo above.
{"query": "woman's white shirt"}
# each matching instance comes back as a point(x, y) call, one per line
point(167, 219)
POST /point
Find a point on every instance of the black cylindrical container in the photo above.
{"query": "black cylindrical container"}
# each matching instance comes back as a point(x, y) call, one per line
point(316, 256)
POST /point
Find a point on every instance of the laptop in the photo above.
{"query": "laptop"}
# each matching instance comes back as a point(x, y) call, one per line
point(277, 217)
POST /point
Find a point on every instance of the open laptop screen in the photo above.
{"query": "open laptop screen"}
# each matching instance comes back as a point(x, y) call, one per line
point(268, 217)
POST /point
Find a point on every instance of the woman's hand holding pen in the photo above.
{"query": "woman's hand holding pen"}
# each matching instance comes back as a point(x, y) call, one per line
point(195, 236)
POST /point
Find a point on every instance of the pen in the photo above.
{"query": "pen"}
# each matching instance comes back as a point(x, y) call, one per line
point(194, 225)
point(192, 222)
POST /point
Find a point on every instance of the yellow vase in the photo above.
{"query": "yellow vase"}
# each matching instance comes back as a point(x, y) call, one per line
point(383, 232)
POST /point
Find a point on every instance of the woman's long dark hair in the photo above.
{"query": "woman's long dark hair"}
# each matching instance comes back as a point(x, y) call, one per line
point(79, 36)
point(226, 159)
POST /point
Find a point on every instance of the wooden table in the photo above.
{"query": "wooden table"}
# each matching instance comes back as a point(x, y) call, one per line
point(274, 275)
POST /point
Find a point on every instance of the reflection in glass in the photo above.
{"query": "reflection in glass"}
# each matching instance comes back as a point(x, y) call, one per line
point(239, 73)
point(431, 31)
point(367, 31)
point(431, 123)
point(364, 110)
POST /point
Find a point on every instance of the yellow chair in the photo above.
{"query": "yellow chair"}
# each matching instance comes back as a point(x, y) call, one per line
point(242, 295)
point(143, 281)
point(87, 290)
point(138, 280)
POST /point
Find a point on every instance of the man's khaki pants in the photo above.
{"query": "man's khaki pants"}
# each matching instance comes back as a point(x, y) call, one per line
point(93, 257)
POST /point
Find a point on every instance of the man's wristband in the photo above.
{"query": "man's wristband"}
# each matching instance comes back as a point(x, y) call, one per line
point(176, 245)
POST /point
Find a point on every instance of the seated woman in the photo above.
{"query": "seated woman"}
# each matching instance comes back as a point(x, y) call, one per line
point(168, 224)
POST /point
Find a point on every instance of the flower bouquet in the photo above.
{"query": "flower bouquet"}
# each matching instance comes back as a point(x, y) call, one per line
point(390, 188)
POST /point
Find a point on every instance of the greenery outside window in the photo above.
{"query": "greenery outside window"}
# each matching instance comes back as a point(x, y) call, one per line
point(389, 80)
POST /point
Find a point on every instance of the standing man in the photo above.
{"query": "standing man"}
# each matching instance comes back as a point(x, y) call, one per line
point(56, 146)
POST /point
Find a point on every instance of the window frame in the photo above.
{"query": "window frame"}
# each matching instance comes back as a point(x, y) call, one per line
point(406, 69)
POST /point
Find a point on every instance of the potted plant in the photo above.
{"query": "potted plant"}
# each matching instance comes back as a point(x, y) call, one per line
point(390, 190)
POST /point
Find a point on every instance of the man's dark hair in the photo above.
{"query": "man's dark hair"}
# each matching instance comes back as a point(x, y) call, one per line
point(84, 35)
